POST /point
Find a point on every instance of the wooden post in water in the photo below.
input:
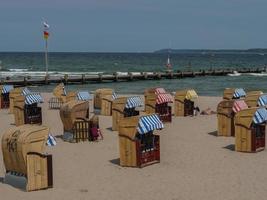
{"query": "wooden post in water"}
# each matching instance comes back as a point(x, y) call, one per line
point(83, 79)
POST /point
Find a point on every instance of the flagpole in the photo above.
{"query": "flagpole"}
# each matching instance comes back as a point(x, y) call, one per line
point(46, 57)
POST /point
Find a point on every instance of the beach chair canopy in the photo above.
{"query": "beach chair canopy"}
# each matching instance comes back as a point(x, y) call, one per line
point(160, 91)
point(164, 98)
point(83, 96)
point(133, 102)
point(239, 105)
point(227, 107)
point(6, 88)
point(33, 98)
point(249, 116)
point(18, 141)
point(149, 123)
point(262, 101)
point(130, 126)
point(189, 94)
point(239, 92)
point(230, 93)
point(25, 91)
point(114, 96)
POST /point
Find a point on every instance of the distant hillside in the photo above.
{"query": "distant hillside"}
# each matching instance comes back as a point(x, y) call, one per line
point(204, 51)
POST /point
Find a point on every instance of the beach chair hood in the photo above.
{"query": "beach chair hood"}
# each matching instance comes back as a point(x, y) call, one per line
point(59, 91)
point(249, 116)
point(262, 101)
point(99, 94)
point(186, 94)
point(228, 107)
point(130, 126)
point(252, 98)
point(133, 102)
point(72, 110)
point(4, 89)
point(17, 142)
point(230, 93)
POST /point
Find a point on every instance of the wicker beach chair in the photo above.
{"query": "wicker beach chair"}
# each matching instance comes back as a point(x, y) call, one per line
point(226, 111)
point(250, 130)
point(139, 146)
point(158, 103)
point(26, 109)
point(59, 97)
point(23, 154)
point(184, 102)
point(4, 95)
point(103, 100)
point(124, 107)
point(77, 125)
point(12, 95)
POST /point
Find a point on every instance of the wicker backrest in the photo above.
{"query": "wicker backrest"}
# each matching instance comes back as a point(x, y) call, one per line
point(119, 104)
point(252, 98)
point(19, 101)
point(59, 92)
point(13, 93)
point(72, 95)
point(225, 107)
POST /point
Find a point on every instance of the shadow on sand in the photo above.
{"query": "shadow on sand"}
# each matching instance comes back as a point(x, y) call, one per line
point(214, 133)
point(115, 161)
point(230, 147)
point(59, 136)
point(109, 128)
point(1, 179)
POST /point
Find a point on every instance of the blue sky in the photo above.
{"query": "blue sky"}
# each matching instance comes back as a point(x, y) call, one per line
point(133, 25)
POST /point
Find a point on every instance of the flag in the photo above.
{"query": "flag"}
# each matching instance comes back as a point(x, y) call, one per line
point(46, 28)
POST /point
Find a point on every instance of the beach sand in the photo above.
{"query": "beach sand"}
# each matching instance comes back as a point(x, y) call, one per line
point(195, 164)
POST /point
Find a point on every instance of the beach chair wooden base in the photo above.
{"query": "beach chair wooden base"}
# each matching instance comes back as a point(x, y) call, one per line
point(82, 131)
point(226, 125)
point(39, 171)
point(258, 138)
point(55, 103)
point(148, 157)
point(252, 140)
point(4, 101)
point(32, 115)
point(165, 112)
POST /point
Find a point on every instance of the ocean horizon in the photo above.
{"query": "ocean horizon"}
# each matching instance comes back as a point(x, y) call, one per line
point(33, 64)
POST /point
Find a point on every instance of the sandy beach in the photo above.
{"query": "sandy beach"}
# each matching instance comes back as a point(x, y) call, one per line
point(195, 164)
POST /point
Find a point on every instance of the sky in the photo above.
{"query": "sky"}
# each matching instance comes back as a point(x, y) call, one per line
point(132, 25)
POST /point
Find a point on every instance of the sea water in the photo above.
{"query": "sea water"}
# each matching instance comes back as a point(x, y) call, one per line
point(32, 64)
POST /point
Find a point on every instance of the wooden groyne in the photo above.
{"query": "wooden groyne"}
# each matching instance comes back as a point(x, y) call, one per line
point(118, 77)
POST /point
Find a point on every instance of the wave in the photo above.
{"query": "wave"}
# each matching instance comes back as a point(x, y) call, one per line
point(17, 70)
point(257, 74)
